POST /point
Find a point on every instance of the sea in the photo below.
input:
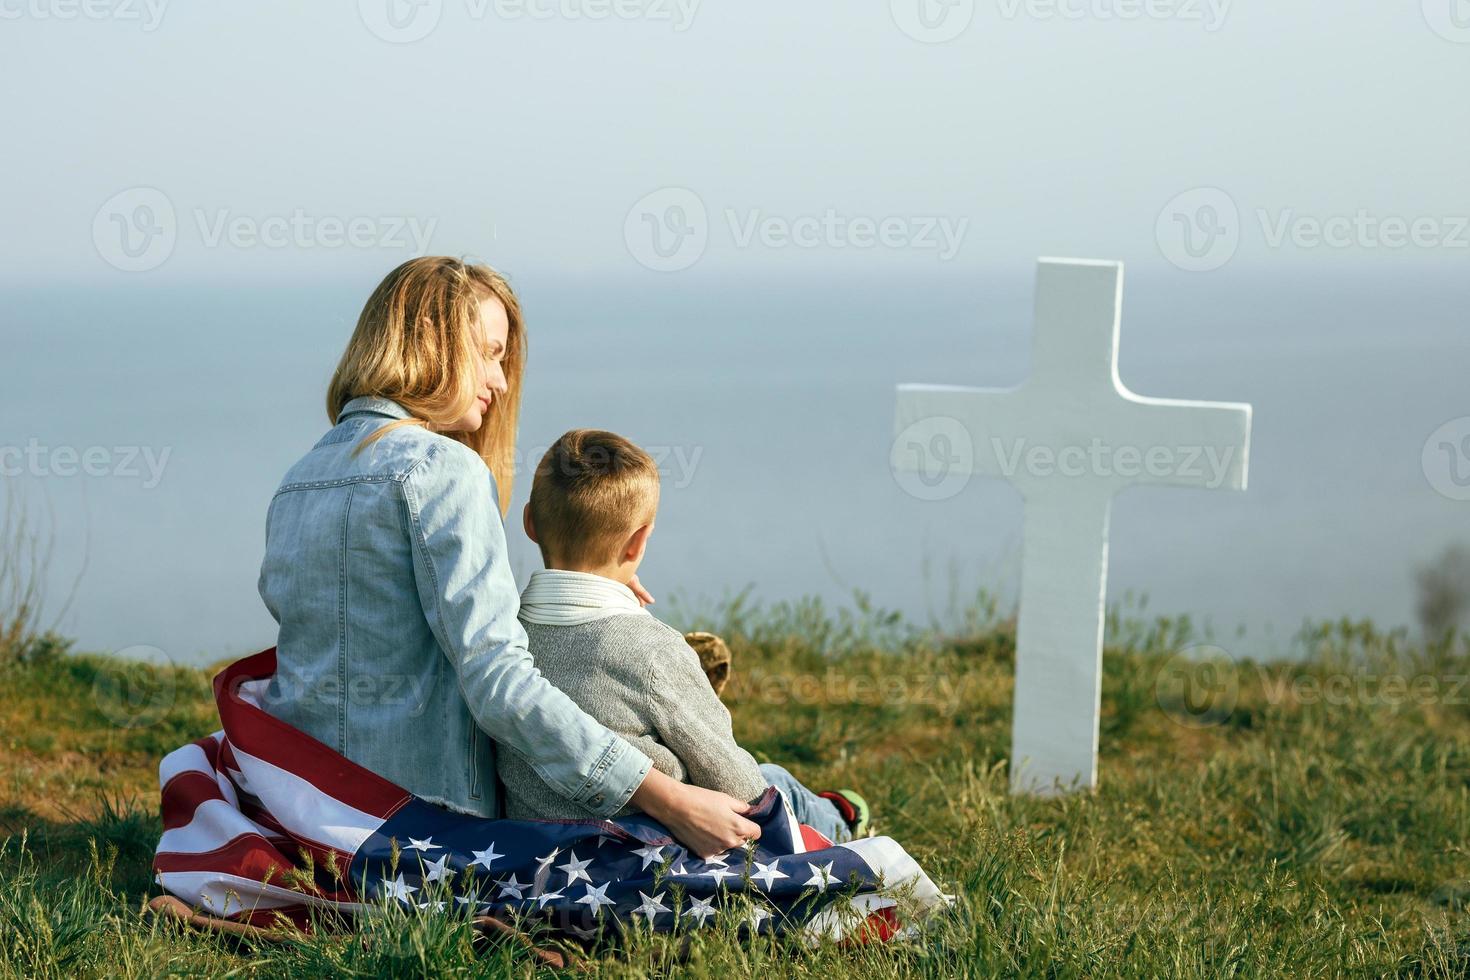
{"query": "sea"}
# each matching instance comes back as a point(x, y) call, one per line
point(143, 428)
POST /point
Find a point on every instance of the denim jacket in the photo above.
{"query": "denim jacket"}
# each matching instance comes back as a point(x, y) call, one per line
point(399, 644)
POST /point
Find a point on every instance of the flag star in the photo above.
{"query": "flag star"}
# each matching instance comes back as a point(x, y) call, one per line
point(542, 863)
point(596, 897)
point(719, 875)
point(512, 888)
point(437, 870)
point(756, 917)
point(436, 906)
point(649, 854)
point(485, 857)
point(679, 871)
point(605, 839)
point(398, 889)
point(718, 859)
point(768, 873)
point(427, 844)
point(545, 897)
point(821, 877)
point(575, 869)
point(651, 906)
point(700, 908)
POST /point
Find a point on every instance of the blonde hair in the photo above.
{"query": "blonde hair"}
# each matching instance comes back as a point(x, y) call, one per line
point(415, 344)
point(591, 490)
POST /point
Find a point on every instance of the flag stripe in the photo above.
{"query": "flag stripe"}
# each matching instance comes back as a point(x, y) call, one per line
point(285, 748)
point(228, 895)
point(302, 809)
point(260, 860)
point(188, 758)
point(321, 855)
point(210, 746)
point(214, 825)
point(184, 794)
point(252, 854)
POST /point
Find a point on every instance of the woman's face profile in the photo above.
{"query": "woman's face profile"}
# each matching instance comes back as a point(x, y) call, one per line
point(491, 331)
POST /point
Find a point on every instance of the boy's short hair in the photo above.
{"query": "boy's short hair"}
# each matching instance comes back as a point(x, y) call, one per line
point(591, 490)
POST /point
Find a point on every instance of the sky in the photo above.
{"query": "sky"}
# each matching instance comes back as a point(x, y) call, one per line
point(735, 228)
point(528, 131)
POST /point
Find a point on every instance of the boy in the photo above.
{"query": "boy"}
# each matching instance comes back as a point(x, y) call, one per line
point(593, 501)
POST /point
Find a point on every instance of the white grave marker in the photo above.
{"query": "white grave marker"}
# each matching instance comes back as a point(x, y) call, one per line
point(1069, 438)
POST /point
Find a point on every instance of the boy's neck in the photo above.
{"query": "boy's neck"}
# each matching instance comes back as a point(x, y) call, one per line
point(619, 574)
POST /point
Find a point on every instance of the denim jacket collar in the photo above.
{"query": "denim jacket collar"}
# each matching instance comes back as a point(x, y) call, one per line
point(374, 404)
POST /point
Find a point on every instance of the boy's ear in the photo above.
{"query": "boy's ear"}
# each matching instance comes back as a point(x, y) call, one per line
point(527, 523)
point(637, 542)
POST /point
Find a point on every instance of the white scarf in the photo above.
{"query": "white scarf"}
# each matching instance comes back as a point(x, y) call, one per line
point(555, 597)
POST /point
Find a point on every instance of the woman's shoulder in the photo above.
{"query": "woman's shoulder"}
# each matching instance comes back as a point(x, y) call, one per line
point(401, 453)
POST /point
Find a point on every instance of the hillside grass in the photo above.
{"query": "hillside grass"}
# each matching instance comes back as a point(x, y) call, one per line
point(1306, 818)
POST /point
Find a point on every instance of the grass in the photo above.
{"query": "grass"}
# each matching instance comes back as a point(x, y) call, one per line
point(1304, 818)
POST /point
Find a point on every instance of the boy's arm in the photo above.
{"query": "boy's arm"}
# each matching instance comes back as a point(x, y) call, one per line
point(692, 721)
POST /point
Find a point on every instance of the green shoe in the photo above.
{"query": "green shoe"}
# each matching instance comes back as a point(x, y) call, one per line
point(853, 807)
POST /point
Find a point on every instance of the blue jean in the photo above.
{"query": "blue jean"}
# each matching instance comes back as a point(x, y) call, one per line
point(817, 813)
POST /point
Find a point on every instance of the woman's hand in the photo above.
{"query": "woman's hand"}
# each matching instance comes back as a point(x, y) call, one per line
point(703, 820)
point(644, 596)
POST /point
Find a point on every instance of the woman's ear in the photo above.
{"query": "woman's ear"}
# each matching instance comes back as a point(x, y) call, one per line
point(527, 523)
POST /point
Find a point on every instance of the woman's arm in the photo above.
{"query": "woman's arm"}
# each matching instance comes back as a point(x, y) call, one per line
point(470, 600)
point(694, 723)
point(704, 821)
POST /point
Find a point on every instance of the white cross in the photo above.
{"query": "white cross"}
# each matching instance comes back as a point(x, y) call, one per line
point(1069, 438)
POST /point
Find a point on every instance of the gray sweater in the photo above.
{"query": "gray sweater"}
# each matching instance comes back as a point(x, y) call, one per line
point(638, 677)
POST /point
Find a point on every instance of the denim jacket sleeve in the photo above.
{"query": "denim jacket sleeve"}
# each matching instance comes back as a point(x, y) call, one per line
point(471, 601)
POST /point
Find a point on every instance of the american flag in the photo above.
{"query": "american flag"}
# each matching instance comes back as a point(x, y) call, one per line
point(263, 823)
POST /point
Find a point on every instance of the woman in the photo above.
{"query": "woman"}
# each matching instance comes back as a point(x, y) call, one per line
point(386, 569)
